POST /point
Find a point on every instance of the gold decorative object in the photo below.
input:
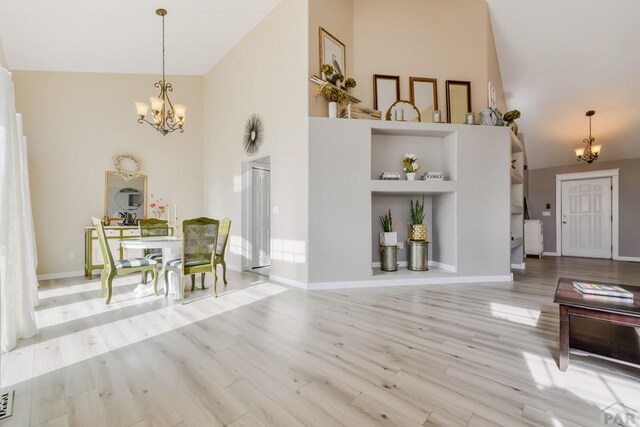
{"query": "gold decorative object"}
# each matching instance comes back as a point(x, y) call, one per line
point(403, 103)
point(106, 221)
point(165, 116)
point(122, 171)
point(417, 232)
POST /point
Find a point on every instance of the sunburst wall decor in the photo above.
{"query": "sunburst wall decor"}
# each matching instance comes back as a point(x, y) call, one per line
point(253, 134)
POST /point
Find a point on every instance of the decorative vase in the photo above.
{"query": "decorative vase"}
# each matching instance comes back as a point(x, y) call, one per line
point(333, 110)
point(389, 238)
point(417, 232)
point(488, 117)
point(411, 176)
point(513, 125)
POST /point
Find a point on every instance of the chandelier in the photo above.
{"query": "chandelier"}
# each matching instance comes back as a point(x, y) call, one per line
point(165, 117)
point(590, 152)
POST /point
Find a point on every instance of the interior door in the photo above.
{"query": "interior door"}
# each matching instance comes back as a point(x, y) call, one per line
point(586, 218)
point(261, 217)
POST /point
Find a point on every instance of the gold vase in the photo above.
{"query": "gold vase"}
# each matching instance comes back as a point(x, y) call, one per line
point(418, 232)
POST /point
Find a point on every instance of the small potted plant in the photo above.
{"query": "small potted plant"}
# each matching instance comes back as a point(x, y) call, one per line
point(510, 118)
point(349, 84)
point(388, 237)
point(417, 230)
point(411, 166)
point(332, 88)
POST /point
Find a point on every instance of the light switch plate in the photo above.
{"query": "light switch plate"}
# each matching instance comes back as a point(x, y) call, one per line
point(546, 213)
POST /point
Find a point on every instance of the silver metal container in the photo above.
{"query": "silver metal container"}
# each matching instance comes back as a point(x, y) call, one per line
point(418, 254)
point(389, 257)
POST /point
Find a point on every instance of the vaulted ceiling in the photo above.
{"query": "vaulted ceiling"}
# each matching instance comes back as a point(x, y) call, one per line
point(559, 59)
point(124, 36)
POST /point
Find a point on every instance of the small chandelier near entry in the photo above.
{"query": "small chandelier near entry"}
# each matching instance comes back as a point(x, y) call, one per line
point(166, 116)
point(590, 152)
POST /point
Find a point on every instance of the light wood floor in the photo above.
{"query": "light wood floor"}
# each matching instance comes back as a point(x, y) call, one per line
point(264, 354)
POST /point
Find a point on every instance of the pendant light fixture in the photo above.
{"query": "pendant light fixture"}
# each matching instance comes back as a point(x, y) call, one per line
point(590, 152)
point(165, 117)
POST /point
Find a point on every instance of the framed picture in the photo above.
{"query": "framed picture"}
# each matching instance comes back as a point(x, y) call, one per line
point(386, 91)
point(424, 95)
point(458, 100)
point(332, 52)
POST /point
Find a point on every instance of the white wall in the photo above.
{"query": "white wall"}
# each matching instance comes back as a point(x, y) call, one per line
point(265, 73)
point(75, 123)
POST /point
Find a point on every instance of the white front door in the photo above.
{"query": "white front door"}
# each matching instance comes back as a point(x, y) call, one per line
point(586, 218)
point(260, 217)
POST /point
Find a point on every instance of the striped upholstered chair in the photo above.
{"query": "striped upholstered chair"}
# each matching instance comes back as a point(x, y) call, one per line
point(152, 227)
point(120, 267)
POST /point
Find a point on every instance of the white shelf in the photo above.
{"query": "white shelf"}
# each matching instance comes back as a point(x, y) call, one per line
point(516, 242)
point(516, 178)
point(515, 210)
point(413, 187)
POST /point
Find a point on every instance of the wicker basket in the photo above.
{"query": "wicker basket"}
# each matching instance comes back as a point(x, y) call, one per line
point(417, 232)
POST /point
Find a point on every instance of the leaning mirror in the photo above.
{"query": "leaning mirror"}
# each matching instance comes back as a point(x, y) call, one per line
point(424, 95)
point(386, 91)
point(125, 200)
point(458, 100)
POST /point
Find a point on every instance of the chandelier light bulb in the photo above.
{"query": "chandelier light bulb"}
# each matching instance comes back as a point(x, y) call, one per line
point(142, 108)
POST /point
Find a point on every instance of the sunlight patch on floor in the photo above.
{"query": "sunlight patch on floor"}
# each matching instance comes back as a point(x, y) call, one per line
point(523, 316)
point(41, 358)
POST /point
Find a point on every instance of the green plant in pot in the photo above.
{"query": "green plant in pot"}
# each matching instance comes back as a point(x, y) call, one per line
point(388, 237)
point(417, 230)
point(510, 118)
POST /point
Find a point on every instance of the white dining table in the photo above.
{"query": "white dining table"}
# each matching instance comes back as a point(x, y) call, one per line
point(170, 247)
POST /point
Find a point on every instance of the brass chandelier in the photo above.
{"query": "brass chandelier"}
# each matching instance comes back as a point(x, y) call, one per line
point(165, 117)
point(590, 152)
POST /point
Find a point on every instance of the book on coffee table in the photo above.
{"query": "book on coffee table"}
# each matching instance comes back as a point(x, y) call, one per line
point(602, 290)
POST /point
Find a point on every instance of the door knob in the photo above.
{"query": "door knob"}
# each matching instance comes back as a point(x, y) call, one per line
point(564, 219)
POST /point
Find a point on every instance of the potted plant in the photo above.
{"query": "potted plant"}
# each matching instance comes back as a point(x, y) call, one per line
point(388, 237)
point(331, 89)
point(417, 230)
point(411, 166)
point(510, 118)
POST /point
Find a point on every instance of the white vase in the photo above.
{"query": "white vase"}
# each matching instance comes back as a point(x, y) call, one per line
point(333, 110)
point(388, 238)
point(411, 176)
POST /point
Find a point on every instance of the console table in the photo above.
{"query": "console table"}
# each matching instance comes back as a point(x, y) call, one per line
point(611, 336)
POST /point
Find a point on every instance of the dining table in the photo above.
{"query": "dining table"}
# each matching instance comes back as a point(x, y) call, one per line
point(170, 246)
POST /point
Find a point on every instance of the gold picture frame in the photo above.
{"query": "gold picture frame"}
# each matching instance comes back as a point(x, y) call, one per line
point(386, 91)
point(423, 94)
point(333, 52)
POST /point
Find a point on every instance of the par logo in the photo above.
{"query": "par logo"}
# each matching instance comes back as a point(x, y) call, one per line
point(618, 414)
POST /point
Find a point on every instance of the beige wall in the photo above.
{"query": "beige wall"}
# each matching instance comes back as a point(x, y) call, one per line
point(75, 123)
point(335, 16)
point(493, 68)
point(447, 40)
point(3, 59)
point(265, 73)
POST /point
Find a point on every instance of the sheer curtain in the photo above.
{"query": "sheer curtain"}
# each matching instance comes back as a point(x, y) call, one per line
point(18, 280)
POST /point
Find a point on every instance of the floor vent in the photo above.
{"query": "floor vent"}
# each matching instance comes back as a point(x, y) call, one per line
point(6, 404)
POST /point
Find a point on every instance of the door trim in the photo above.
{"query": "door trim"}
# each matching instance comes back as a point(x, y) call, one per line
point(607, 173)
point(244, 186)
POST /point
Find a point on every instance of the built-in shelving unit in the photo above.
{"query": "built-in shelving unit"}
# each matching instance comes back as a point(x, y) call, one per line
point(413, 187)
point(517, 201)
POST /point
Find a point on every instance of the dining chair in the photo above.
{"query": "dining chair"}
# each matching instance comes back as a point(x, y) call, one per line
point(120, 267)
point(223, 238)
point(199, 242)
point(152, 227)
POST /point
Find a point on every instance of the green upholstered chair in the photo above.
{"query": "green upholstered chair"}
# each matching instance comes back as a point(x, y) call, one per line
point(120, 267)
point(223, 238)
point(152, 227)
point(199, 242)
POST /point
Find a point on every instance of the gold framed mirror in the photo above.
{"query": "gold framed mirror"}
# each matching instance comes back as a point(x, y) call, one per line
point(403, 111)
point(423, 93)
point(458, 100)
point(122, 197)
point(386, 91)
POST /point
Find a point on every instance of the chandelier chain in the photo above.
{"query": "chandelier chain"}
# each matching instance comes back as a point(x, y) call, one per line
point(163, 48)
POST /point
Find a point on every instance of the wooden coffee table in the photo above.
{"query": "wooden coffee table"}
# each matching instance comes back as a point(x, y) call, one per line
point(598, 326)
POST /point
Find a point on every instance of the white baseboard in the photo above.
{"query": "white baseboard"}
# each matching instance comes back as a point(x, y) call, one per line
point(403, 264)
point(289, 282)
point(63, 275)
point(378, 283)
point(234, 267)
point(627, 258)
point(550, 254)
point(520, 266)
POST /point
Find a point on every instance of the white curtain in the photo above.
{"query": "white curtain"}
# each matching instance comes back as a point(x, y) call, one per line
point(18, 280)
